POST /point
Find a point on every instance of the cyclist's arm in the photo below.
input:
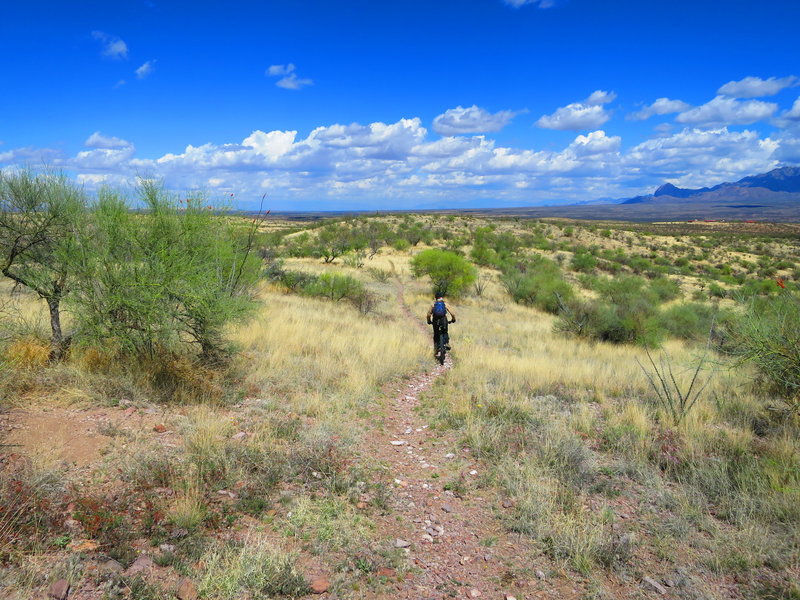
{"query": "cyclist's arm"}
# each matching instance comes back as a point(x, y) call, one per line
point(452, 315)
point(429, 316)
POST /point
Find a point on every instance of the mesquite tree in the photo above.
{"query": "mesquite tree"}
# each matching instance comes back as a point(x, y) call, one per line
point(161, 279)
point(40, 217)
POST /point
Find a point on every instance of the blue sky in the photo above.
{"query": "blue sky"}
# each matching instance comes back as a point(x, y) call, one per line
point(438, 103)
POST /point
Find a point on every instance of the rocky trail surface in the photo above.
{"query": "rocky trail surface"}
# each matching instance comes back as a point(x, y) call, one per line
point(455, 546)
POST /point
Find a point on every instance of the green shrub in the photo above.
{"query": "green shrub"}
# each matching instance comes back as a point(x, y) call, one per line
point(665, 289)
point(537, 282)
point(716, 291)
point(626, 313)
point(690, 321)
point(449, 273)
point(172, 277)
point(768, 335)
point(583, 261)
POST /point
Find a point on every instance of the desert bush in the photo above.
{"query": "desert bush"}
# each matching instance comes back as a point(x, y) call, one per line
point(665, 289)
point(583, 261)
point(169, 278)
point(768, 336)
point(715, 290)
point(379, 275)
point(537, 282)
point(355, 258)
point(330, 286)
point(449, 273)
point(629, 322)
point(757, 287)
point(690, 321)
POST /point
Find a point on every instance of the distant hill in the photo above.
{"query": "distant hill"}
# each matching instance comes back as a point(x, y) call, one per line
point(757, 189)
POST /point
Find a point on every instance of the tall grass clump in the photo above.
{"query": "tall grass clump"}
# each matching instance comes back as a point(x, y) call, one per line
point(252, 568)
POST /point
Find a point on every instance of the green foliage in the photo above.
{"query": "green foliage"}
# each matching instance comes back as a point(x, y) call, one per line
point(538, 282)
point(690, 321)
point(665, 289)
point(583, 261)
point(331, 286)
point(173, 275)
point(626, 313)
point(40, 219)
point(716, 291)
point(449, 273)
point(758, 287)
point(768, 335)
point(336, 239)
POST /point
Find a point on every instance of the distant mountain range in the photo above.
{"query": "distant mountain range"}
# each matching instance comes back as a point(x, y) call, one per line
point(778, 187)
point(773, 196)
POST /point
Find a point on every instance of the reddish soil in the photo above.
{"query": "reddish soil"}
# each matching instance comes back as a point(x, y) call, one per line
point(456, 546)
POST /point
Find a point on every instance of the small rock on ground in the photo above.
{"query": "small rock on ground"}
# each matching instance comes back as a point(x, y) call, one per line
point(186, 590)
point(398, 543)
point(59, 590)
point(654, 584)
point(142, 563)
point(320, 585)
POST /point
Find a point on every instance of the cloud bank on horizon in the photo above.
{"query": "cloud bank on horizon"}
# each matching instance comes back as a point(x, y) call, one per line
point(403, 164)
point(466, 144)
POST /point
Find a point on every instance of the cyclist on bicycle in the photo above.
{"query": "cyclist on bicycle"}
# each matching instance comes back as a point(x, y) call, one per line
point(437, 316)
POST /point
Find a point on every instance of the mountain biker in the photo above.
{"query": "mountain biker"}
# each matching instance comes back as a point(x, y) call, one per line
point(437, 316)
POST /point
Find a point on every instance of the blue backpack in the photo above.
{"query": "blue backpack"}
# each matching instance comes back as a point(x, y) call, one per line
point(439, 309)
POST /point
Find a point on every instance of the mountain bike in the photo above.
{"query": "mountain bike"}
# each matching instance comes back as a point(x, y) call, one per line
point(443, 345)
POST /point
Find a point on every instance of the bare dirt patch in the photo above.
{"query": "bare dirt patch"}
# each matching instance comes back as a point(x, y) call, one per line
point(75, 436)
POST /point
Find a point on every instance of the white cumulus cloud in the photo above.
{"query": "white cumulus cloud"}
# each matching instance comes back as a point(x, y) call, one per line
point(574, 117)
point(723, 110)
point(697, 157)
point(113, 46)
point(146, 69)
point(288, 77)
point(793, 114)
point(662, 106)
point(472, 119)
point(599, 97)
point(588, 114)
point(755, 87)
point(397, 164)
point(98, 140)
point(596, 142)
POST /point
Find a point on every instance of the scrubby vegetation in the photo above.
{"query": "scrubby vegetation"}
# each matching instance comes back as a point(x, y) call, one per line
point(627, 394)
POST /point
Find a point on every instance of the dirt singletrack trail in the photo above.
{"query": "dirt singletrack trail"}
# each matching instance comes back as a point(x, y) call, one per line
point(455, 546)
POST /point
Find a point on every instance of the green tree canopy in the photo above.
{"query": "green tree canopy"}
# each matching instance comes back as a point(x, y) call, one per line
point(450, 273)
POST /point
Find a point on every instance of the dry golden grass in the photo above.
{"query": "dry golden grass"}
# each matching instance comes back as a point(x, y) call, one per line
point(27, 353)
point(324, 358)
